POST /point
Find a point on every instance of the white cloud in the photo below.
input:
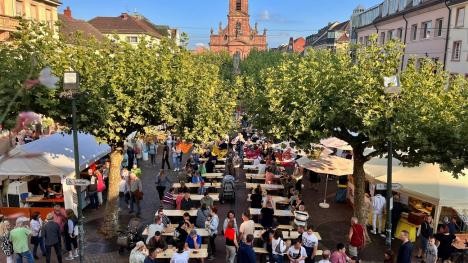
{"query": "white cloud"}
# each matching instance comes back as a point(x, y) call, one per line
point(265, 15)
point(200, 45)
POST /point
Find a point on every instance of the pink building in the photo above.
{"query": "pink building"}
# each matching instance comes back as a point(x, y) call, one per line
point(420, 24)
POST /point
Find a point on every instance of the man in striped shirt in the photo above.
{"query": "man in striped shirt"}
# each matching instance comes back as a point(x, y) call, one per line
point(165, 220)
point(168, 201)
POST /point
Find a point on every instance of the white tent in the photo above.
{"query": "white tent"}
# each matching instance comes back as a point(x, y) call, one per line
point(53, 156)
point(425, 182)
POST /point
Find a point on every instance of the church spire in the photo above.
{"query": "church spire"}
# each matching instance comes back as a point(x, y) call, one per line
point(236, 6)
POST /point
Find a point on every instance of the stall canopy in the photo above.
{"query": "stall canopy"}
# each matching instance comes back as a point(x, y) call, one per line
point(425, 182)
point(52, 156)
point(329, 164)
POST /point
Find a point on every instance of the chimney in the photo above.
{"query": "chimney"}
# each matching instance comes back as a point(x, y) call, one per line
point(124, 16)
point(67, 13)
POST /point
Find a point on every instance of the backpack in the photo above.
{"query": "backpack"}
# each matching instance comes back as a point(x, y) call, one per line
point(75, 230)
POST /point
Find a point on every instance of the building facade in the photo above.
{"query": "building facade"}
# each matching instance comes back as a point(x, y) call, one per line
point(422, 25)
point(37, 10)
point(334, 36)
point(133, 28)
point(457, 45)
point(238, 37)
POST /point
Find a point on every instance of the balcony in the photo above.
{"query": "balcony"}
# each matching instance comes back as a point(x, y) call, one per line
point(8, 23)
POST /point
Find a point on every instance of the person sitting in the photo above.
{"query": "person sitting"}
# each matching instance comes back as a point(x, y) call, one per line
point(165, 219)
point(193, 241)
point(182, 254)
point(157, 226)
point(178, 200)
point(157, 241)
point(202, 213)
point(181, 232)
point(297, 202)
point(152, 255)
point(256, 199)
point(196, 178)
point(183, 188)
point(187, 203)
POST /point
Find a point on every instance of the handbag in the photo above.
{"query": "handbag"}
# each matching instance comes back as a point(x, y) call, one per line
point(138, 194)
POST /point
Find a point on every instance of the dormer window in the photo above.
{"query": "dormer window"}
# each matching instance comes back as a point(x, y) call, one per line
point(239, 5)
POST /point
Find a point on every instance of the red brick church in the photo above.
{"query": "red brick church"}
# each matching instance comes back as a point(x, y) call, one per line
point(238, 36)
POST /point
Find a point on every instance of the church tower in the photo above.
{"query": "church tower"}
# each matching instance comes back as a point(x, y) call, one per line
point(238, 37)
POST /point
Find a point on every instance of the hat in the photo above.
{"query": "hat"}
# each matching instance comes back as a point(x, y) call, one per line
point(157, 233)
point(193, 232)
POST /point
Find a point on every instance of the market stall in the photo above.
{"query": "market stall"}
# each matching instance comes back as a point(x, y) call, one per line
point(51, 157)
point(424, 189)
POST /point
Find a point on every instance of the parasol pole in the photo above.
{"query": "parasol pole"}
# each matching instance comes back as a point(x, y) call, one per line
point(325, 204)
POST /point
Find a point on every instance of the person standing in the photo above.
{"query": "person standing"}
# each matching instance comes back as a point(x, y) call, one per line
point(71, 235)
point(152, 151)
point(36, 225)
point(211, 224)
point(405, 251)
point(378, 207)
point(267, 213)
point(246, 254)
point(52, 238)
point(430, 256)
point(131, 156)
point(182, 254)
point(5, 243)
point(296, 253)
point(279, 247)
point(165, 156)
point(247, 227)
point(136, 193)
point(175, 158)
point(162, 182)
point(230, 216)
point(60, 217)
point(356, 237)
point(310, 243)
point(231, 241)
point(101, 186)
point(396, 213)
point(445, 239)
point(19, 237)
point(92, 190)
point(426, 232)
point(339, 255)
point(168, 201)
point(202, 214)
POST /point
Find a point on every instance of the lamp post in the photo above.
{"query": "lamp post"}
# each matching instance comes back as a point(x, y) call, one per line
point(393, 88)
point(71, 85)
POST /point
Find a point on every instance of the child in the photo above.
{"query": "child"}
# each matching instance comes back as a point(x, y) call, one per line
point(431, 252)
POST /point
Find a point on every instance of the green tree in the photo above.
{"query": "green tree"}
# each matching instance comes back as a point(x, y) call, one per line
point(335, 94)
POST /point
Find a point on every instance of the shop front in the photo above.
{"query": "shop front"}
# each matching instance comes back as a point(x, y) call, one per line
point(32, 176)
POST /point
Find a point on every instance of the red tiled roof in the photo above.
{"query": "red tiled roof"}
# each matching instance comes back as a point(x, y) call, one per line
point(125, 24)
point(69, 26)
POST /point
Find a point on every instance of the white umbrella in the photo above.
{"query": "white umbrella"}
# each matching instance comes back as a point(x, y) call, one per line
point(336, 143)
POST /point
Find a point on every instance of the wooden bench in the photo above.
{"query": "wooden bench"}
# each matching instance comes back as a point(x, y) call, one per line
point(286, 227)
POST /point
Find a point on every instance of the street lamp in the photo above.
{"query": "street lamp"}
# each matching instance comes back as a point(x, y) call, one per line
point(71, 86)
point(393, 88)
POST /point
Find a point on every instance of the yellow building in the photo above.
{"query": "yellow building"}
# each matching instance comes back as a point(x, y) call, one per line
point(37, 10)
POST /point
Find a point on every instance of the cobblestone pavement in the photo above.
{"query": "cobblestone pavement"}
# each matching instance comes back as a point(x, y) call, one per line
point(331, 223)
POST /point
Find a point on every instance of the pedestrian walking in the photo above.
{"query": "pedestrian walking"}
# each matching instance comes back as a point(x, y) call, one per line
point(397, 209)
point(136, 193)
point(124, 194)
point(60, 217)
point(162, 182)
point(246, 254)
point(211, 224)
point(175, 158)
point(52, 238)
point(131, 156)
point(247, 227)
point(152, 151)
point(231, 241)
point(231, 216)
point(165, 157)
point(356, 237)
point(101, 186)
point(426, 231)
point(71, 235)
point(378, 207)
point(19, 237)
point(36, 225)
point(405, 252)
point(5, 243)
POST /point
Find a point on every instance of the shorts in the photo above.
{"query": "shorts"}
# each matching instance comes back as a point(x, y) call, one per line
point(424, 241)
point(353, 251)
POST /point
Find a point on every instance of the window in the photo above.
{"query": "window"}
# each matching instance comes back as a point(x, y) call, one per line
point(366, 40)
point(34, 13)
point(49, 18)
point(238, 5)
point(331, 34)
point(439, 25)
point(400, 33)
point(360, 40)
point(456, 51)
point(132, 39)
point(382, 38)
point(390, 35)
point(414, 32)
point(426, 28)
point(19, 8)
point(460, 17)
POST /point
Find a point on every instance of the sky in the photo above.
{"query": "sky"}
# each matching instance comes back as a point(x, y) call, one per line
point(282, 18)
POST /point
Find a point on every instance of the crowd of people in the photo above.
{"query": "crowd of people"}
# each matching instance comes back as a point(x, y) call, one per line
point(59, 228)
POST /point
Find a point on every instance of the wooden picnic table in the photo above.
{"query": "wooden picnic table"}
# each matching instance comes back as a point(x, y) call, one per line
point(197, 185)
point(179, 213)
point(213, 175)
point(169, 231)
point(199, 197)
point(280, 213)
point(277, 199)
point(271, 187)
point(285, 227)
point(194, 253)
point(288, 235)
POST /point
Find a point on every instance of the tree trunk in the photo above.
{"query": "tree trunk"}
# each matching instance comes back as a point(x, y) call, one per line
point(110, 225)
point(359, 185)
